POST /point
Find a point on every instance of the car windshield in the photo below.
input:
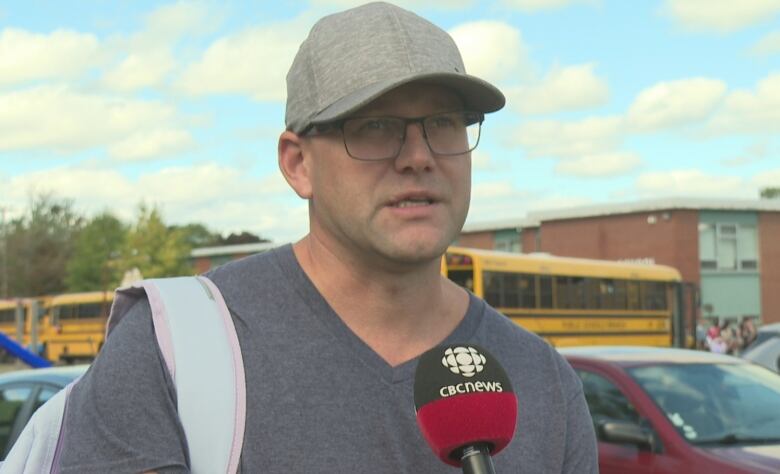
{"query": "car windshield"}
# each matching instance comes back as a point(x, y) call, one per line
point(716, 404)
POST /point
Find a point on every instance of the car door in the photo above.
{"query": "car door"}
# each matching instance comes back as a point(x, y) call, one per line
point(15, 404)
point(607, 402)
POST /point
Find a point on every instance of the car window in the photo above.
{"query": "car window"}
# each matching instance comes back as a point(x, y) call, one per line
point(11, 401)
point(43, 396)
point(605, 400)
point(711, 402)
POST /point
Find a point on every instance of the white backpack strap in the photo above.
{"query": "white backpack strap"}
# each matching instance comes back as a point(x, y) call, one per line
point(200, 347)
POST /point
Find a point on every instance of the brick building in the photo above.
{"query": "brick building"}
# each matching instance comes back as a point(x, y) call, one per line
point(730, 249)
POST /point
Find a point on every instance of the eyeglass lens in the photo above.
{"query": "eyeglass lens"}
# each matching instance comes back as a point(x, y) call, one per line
point(378, 138)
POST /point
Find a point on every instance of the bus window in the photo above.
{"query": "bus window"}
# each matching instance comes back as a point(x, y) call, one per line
point(632, 294)
point(613, 293)
point(592, 293)
point(620, 301)
point(464, 278)
point(491, 285)
point(577, 292)
point(67, 312)
point(8, 315)
point(562, 292)
point(527, 285)
point(509, 290)
point(90, 310)
point(653, 295)
point(545, 292)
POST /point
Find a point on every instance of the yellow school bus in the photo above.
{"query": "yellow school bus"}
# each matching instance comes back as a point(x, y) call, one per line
point(572, 301)
point(73, 326)
point(15, 319)
point(10, 311)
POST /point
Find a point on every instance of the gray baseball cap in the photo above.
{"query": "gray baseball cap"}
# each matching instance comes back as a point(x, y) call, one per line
point(351, 58)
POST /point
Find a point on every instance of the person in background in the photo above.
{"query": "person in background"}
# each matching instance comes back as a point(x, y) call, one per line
point(748, 332)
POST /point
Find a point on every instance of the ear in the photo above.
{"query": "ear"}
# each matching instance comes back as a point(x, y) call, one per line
point(294, 165)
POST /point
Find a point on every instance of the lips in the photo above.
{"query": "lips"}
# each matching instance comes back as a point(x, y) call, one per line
point(413, 203)
point(412, 200)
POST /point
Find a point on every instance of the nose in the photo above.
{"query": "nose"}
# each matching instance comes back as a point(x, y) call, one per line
point(415, 153)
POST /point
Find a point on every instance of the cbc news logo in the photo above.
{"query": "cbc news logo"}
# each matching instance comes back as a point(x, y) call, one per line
point(465, 361)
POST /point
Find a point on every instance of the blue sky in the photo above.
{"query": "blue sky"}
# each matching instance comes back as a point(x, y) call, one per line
point(180, 104)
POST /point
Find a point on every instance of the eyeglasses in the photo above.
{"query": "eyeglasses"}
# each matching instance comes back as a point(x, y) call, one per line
point(381, 138)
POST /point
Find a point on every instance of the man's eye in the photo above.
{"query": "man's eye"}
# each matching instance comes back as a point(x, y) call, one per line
point(375, 125)
point(443, 121)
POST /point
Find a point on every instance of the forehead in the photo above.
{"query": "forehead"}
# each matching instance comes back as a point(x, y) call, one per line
point(417, 98)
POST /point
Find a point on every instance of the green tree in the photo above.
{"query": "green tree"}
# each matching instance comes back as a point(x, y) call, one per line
point(243, 238)
point(97, 247)
point(770, 193)
point(39, 244)
point(197, 235)
point(154, 248)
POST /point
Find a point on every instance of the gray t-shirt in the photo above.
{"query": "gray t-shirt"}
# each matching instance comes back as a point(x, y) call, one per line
point(318, 398)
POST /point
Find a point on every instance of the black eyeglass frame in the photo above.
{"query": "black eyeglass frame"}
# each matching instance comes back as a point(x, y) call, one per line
point(322, 128)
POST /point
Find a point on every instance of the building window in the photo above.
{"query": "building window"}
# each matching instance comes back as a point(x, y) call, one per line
point(727, 247)
point(507, 241)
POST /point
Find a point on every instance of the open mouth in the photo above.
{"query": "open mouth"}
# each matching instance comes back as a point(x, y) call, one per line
point(412, 203)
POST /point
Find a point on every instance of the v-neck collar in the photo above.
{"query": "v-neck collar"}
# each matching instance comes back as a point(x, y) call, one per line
point(333, 324)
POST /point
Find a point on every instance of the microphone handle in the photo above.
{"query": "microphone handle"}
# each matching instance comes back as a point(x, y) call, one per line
point(476, 459)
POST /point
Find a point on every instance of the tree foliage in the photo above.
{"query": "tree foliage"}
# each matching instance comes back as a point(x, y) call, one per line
point(97, 248)
point(154, 248)
point(770, 193)
point(197, 235)
point(241, 238)
point(39, 245)
point(52, 249)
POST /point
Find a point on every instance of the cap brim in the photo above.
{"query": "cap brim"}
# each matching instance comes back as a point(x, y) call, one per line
point(478, 95)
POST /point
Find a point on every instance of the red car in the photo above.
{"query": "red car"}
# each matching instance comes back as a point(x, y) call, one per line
point(680, 411)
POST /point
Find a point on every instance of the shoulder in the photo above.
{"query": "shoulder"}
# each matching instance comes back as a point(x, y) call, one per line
point(255, 266)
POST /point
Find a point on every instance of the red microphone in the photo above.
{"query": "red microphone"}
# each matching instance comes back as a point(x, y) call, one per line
point(466, 408)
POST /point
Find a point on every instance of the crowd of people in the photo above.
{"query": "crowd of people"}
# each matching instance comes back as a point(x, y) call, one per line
point(725, 336)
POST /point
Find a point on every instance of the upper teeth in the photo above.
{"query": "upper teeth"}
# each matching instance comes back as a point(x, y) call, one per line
point(413, 202)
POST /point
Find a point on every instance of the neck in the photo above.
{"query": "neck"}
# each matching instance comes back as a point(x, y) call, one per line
point(399, 313)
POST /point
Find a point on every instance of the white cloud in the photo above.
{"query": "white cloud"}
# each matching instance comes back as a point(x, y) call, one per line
point(750, 112)
point(139, 70)
point(755, 152)
point(563, 89)
point(151, 144)
point(720, 15)
point(93, 189)
point(537, 5)
point(176, 19)
point(600, 165)
point(409, 4)
point(569, 139)
point(59, 118)
point(146, 57)
point(223, 198)
point(481, 160)
point(26, 56)
point(675, 103)
point(477, 43)
point(253, 62)
point(769, 45)
point(494, 200)
point(767, 179)
point(492, 190)
point(691, 182)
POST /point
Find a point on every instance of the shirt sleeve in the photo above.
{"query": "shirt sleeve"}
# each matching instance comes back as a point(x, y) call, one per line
point(581, 447)
point(121, 416)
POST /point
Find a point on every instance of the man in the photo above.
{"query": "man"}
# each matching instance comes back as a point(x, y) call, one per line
point(381, 119)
